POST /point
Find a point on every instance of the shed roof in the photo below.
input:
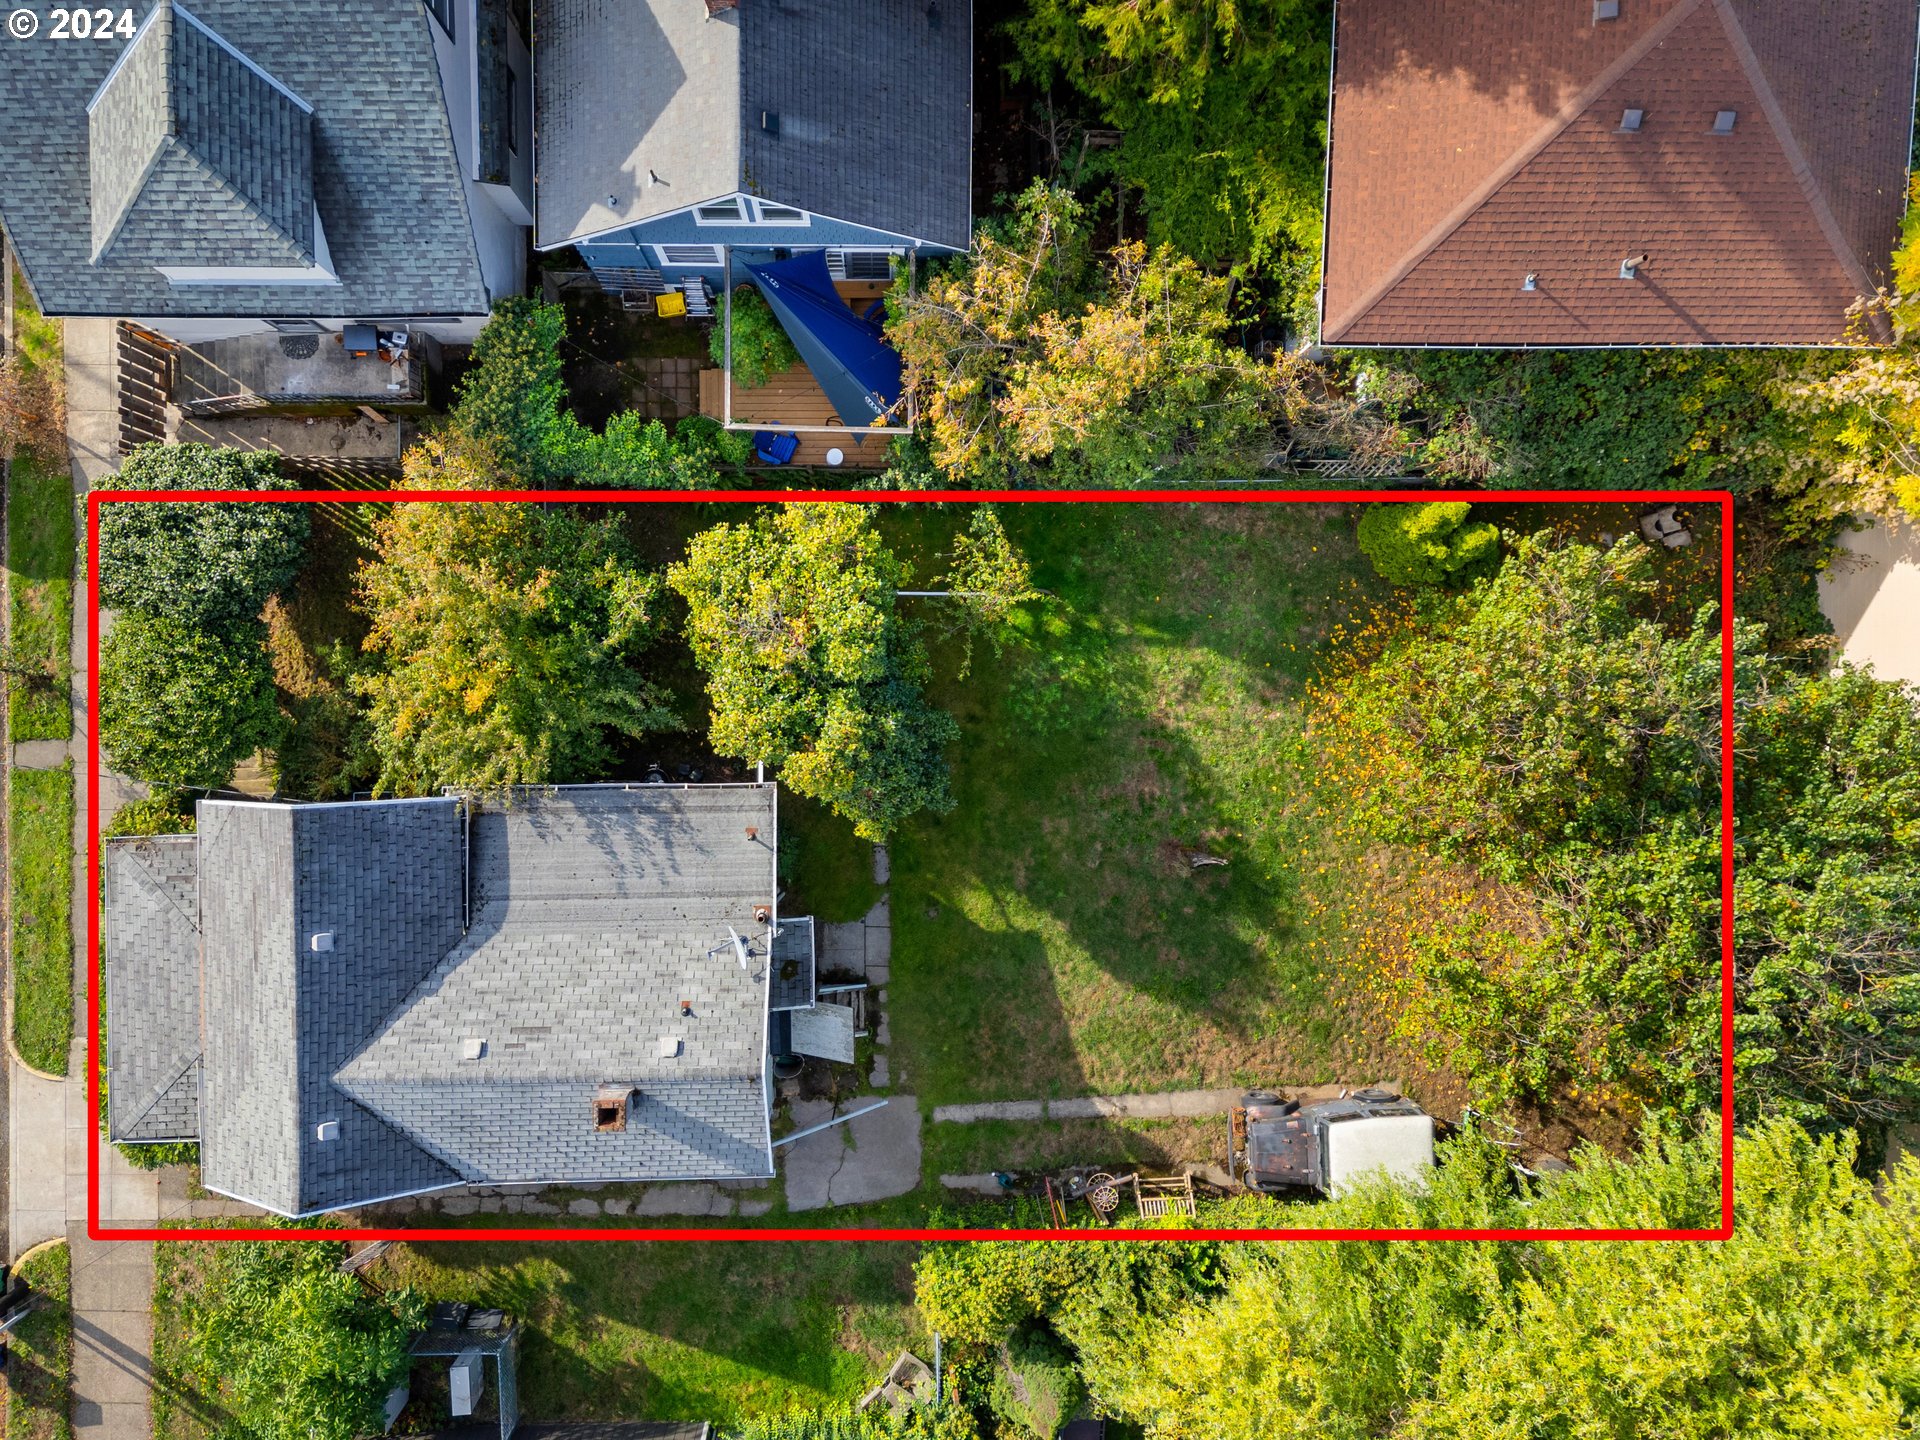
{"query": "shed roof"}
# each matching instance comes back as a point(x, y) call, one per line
point(1473, 147)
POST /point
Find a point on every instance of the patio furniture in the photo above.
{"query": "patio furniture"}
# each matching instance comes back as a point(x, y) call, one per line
point(670, 306)
point(771, 447)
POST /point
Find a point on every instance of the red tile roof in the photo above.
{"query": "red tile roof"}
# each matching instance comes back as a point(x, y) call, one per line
point(1474, 144)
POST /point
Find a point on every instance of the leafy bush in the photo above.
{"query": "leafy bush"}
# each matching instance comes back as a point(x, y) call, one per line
point(1035, 1387)
point(208, 565)
point(288, 1348)
point(181, 707)
point(761, 346)
point(511, 406)
point(1428, 544)
point(164, 812)
point(950, 1422)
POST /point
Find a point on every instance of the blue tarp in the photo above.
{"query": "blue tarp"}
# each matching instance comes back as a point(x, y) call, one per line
point(848, 355)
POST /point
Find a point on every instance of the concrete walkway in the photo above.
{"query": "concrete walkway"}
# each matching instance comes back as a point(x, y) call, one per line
point(1872, 595)
point(1164, 1105)
point(874, 1156)
point(50, 1131)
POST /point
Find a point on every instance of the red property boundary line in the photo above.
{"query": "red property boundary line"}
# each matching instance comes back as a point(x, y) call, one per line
point(1721, 499)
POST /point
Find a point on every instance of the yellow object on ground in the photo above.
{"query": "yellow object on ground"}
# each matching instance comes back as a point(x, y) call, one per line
point(670, 305)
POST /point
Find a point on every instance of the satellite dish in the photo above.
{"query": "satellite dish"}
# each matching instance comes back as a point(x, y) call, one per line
point(739, 947)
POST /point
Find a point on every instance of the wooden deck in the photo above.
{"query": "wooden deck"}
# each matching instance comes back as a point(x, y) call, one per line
point(794, 397)
point(791, 398)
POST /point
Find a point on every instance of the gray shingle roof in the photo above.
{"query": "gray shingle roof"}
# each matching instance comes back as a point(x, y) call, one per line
point(383, 172)
point(152, 945)
point(875, 106)
point(197, 157)
point(341, 978)
point(385, 881)
point(874, 99)
point(596, 914)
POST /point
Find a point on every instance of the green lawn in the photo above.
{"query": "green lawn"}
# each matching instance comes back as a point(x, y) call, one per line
point(40, 837)
point(684, 1332)
point(1050, 937)
point(36, 339)
point(40, 556)
point(40, 1365)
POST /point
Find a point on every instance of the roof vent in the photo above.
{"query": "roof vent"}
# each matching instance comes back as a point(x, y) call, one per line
point(1723, 122)
point(770, 122)
point(669, 1047)
point(472, 1048)
point(1531, 283)
point(610, 1108)
point(327, 1130)
point(1605, 10)
point(1630, 119)
point(321, 943)
point(1630, 267)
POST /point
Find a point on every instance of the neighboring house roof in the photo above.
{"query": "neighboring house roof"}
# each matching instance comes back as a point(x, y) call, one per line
point(345, 956)
point(197, 155)
point(1471, 147)
point(856, 110)
point(152, 944)
point(197, 152)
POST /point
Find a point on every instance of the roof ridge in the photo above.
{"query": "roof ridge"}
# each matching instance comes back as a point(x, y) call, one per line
point(1790, 145)
point(1518, 161)
point(158, 885)
point(161, 1093)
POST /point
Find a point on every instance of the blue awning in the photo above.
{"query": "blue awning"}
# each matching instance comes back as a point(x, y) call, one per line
point(849, 356)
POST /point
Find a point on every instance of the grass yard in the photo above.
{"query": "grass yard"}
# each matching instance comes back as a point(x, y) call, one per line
point(37, 340)
point(40, 899)
point(40, 1363)
point(40, 556)
point(1050, 936)
point(684, 1332)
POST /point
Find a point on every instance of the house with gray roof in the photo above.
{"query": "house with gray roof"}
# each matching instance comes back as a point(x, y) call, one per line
point(668, 130)
point(349, 1003)
point(212, 168)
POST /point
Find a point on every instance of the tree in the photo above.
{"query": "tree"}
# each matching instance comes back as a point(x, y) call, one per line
point(1801, 1324)
point(761, 345)
point(509, 634)
point(1029, 354)
point(1551, 731)
point(511, 405)
point(1428, 544)
point(206, 564)
point(809, 669)
point(291, 1348)
point(1221, 106)
point(181, 707)
point(989, 579)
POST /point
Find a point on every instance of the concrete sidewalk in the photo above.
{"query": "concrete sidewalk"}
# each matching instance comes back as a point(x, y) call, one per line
point(1162, 1105)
